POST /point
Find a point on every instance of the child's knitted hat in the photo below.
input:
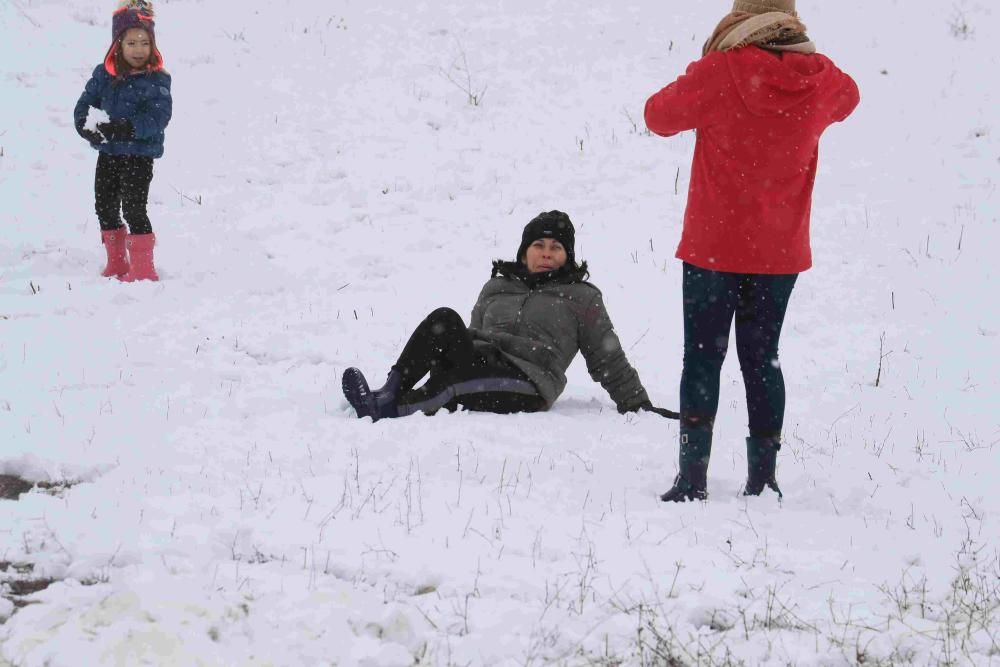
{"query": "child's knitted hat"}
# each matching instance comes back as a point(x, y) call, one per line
point(132, 14)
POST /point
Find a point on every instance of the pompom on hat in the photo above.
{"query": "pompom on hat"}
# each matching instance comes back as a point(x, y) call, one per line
point(132, 14)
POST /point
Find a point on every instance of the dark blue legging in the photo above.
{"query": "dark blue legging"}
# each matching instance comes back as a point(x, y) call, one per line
point(758, 302)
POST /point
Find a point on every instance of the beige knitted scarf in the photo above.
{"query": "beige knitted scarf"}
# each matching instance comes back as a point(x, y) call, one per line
point(775, 31)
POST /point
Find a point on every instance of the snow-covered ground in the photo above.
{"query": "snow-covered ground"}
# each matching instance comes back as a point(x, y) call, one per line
point(333, 172)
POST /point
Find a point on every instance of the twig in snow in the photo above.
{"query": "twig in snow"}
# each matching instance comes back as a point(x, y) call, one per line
point(464, 83)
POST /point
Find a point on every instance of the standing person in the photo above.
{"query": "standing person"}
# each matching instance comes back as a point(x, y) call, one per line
point(759, 99)
point(531, 318)
point(132, 88)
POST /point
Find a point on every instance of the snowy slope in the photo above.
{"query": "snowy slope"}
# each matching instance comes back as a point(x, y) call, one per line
point(210, 498)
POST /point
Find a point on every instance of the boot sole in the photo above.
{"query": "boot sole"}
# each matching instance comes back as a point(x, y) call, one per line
point(357, 392)
point(668, 497)
point(753, 491)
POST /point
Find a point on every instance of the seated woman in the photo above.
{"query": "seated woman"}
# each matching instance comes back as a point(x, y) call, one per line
point(530, 320)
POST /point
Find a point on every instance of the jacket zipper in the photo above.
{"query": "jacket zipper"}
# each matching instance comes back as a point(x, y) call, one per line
point(517, 320)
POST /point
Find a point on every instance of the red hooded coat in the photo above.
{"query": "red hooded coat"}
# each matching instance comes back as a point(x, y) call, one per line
point(759, 116)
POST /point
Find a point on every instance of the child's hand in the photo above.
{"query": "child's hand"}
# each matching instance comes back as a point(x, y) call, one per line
point(117, 130)
point(90, 135)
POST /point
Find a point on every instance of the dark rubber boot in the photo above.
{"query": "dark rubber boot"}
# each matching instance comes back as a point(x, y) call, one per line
point(378, 404)
point(387, 396)
point(762, 458)
point(691, 482)
point(357, 393)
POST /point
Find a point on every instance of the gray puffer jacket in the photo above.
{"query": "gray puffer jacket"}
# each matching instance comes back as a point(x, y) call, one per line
point(540, 321)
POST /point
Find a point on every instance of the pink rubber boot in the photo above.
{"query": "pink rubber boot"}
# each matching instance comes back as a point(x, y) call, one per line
point(140, 252)
point(114, 244)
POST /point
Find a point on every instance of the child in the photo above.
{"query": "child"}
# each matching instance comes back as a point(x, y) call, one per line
point(132, 88)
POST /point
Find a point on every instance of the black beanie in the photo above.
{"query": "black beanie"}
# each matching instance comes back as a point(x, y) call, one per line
point(549, 225)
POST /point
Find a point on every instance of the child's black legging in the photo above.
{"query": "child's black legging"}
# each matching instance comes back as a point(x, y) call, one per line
point(758, 302)
point(477, 377)
point(122, 182)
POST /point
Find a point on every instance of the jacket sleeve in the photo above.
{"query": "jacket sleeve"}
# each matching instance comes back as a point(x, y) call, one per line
point(846, 100)
point(91, 97)
point(155, 111)
point(692, 101)
point(476, 321)
point(606, 361)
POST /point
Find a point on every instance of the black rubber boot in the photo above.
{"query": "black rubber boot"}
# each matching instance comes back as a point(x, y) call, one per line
point(762, 457)
point(691, 482)
point(387, 396)
point(378, 404)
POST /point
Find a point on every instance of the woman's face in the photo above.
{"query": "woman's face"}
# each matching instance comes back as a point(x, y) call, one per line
point(544, 255)
point(136, 47)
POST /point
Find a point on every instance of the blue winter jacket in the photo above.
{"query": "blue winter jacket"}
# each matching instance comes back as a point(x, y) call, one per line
point(142, 98)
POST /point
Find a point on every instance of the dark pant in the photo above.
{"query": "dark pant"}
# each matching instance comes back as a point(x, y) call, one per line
point(477, 377)
point(122, 182)
point(758, 302)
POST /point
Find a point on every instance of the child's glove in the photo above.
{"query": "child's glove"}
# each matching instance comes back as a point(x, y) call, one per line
point(90, 135)
point(117, 130)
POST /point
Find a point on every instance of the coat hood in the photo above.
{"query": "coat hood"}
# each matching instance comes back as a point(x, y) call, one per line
point(771, 85)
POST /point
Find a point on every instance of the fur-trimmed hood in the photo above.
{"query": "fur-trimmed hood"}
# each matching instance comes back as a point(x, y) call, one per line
point(575, 273)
